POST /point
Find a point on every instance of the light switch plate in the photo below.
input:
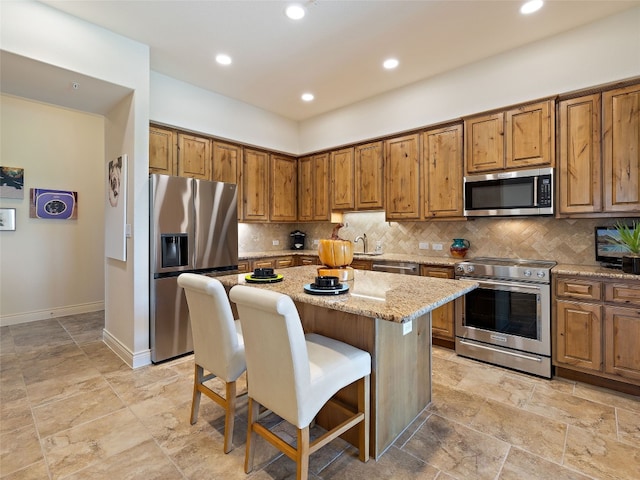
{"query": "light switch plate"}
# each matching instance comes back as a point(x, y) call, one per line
point(436, 246)
point(407, 327)
point(424, 245)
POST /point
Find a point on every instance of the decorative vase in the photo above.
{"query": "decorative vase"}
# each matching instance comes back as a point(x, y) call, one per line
point(631, 264)
point(459, 247)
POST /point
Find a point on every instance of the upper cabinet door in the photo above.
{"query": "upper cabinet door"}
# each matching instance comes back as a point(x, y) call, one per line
point(402, 175)
point(369, 170)
point(283, 186)
point(579, 173)
point(305, 189)
point(621, 149)
point(484, 143)
point(321, 187)
point(255, 186)
point(442, 166)
point(162, 151)
point(342, 180)
point(226, 162)
point(194, 156)
point(530, 131)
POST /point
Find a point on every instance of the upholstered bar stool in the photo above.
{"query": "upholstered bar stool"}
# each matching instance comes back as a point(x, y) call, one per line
point(218, 346)
point(294, 375)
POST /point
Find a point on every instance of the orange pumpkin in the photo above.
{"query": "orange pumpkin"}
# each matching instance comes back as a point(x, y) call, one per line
point(335, 253)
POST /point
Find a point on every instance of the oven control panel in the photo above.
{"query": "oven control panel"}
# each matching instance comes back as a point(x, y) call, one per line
point(537, 271)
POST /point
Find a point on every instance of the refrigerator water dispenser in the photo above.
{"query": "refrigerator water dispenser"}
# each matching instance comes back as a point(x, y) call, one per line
point(175, 250)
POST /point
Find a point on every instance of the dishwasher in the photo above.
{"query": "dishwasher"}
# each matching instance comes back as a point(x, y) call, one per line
point(405, 268)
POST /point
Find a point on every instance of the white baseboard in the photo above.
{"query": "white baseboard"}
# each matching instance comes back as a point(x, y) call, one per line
point(26, 317)
point(134, 360)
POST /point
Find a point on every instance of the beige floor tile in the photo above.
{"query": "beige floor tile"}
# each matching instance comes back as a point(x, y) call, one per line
point(54, 417)
point(573, 410)
point(529, 431)
point(457, 450)
point(59, 387)
point(15, 414)
point(454, 404)
point(35, 471)
point(628, 426)
point(103, 358)
point(496, 384)
point(79, 447)
point(19, 449)
point(6, 341)
point(447, 372)
point(601, 457)
point(608, 397)
point(394, 464)
point(42, 335)
point(145, 461)
point(521, 465)
point(131, 385)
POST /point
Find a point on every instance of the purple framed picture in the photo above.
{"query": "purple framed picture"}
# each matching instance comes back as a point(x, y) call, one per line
point(53, 204)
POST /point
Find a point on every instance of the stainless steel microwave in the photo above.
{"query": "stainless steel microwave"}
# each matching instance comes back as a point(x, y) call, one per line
point(519, 192)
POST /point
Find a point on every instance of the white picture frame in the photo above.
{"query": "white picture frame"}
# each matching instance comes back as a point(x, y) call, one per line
point(116, 209)
point(7, 219)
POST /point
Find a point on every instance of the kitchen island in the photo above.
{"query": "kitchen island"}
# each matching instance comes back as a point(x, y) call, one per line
point(387, 315)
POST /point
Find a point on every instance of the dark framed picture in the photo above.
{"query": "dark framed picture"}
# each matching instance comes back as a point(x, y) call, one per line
point(7, 218)
point(11, 182)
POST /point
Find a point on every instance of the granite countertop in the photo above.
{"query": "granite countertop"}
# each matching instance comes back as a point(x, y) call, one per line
point(394, 257)
point(389, 296)
point(593, 271)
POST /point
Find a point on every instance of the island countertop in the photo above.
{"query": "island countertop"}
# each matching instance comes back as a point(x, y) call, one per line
point(388, 296)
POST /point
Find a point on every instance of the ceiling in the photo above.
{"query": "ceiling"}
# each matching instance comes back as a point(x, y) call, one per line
point(335, 51)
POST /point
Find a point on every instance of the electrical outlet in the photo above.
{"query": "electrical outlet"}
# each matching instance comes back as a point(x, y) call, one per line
point(407, 327)
point(436, 246)
point(276, 242)
point(316, 241)
point(424, 245)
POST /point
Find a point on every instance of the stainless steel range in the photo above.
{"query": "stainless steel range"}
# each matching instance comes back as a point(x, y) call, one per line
point(507, 319)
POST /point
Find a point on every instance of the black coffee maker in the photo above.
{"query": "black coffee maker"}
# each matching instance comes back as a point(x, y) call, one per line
point(297, 240)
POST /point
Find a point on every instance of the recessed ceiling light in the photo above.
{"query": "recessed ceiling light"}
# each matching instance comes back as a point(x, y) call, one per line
point(307, 97)
point(223, 59)
point(531, 6)
point(390, 63)
point(295, 11)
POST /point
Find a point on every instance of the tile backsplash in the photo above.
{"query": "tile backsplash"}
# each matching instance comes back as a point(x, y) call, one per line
point(545, 238)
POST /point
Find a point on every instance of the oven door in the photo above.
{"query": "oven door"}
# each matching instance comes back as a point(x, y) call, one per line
point(512, 315)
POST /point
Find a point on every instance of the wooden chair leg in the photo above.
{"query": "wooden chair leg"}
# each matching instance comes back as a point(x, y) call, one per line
point(302, 454)
point(363, 428)
point(198, 375)
point(230, 415)
point(253, 412)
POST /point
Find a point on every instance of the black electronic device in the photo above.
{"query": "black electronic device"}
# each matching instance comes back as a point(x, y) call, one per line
point(608, 249)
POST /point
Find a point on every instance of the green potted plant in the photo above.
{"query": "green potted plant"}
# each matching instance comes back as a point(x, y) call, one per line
point(630, 238)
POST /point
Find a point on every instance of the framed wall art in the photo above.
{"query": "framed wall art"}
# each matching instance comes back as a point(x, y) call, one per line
point(116, 209)
point(11, 182)
point(53, 204)
point(7, 218)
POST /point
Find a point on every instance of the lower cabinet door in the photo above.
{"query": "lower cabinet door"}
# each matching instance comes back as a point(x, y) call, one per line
point(579, 334)
point(622, 342)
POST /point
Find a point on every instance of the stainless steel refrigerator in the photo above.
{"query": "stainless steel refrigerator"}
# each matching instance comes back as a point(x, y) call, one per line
point(193, 228)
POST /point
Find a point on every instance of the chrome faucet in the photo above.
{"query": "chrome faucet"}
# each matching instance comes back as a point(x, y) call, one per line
point(364, 241)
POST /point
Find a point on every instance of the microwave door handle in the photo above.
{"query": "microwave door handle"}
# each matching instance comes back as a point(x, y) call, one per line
point(535, 190)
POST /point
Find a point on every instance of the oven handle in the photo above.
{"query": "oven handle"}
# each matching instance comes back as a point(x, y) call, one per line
point(513, 354)
point(513, 286)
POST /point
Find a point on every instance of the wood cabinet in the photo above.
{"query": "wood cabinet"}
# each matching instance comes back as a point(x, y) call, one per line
point(579, 177)
point(194, 156)
point(283, 187)
point(307, 260)
point(442, 318)
point(402, 178)
point(361, 264)
point(163, 150)
point(255, 186)
point(369, 175)
point(226, 162)
point(342, 179)
point(273, 262)
point(521, 137)
point(621, 149)
point(597, 327)
point(442, 158)
point(313, 188)
point(591, 183)
point(244, 266)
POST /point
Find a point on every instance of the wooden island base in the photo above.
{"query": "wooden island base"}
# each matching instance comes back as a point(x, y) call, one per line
point(400, 370)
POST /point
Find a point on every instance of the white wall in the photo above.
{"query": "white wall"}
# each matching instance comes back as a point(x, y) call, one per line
point(52, 267)
point(605, 51)
point(180, 104)
point(36, 31)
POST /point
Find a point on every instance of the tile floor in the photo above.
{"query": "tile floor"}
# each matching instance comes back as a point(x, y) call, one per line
point(71, 409)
